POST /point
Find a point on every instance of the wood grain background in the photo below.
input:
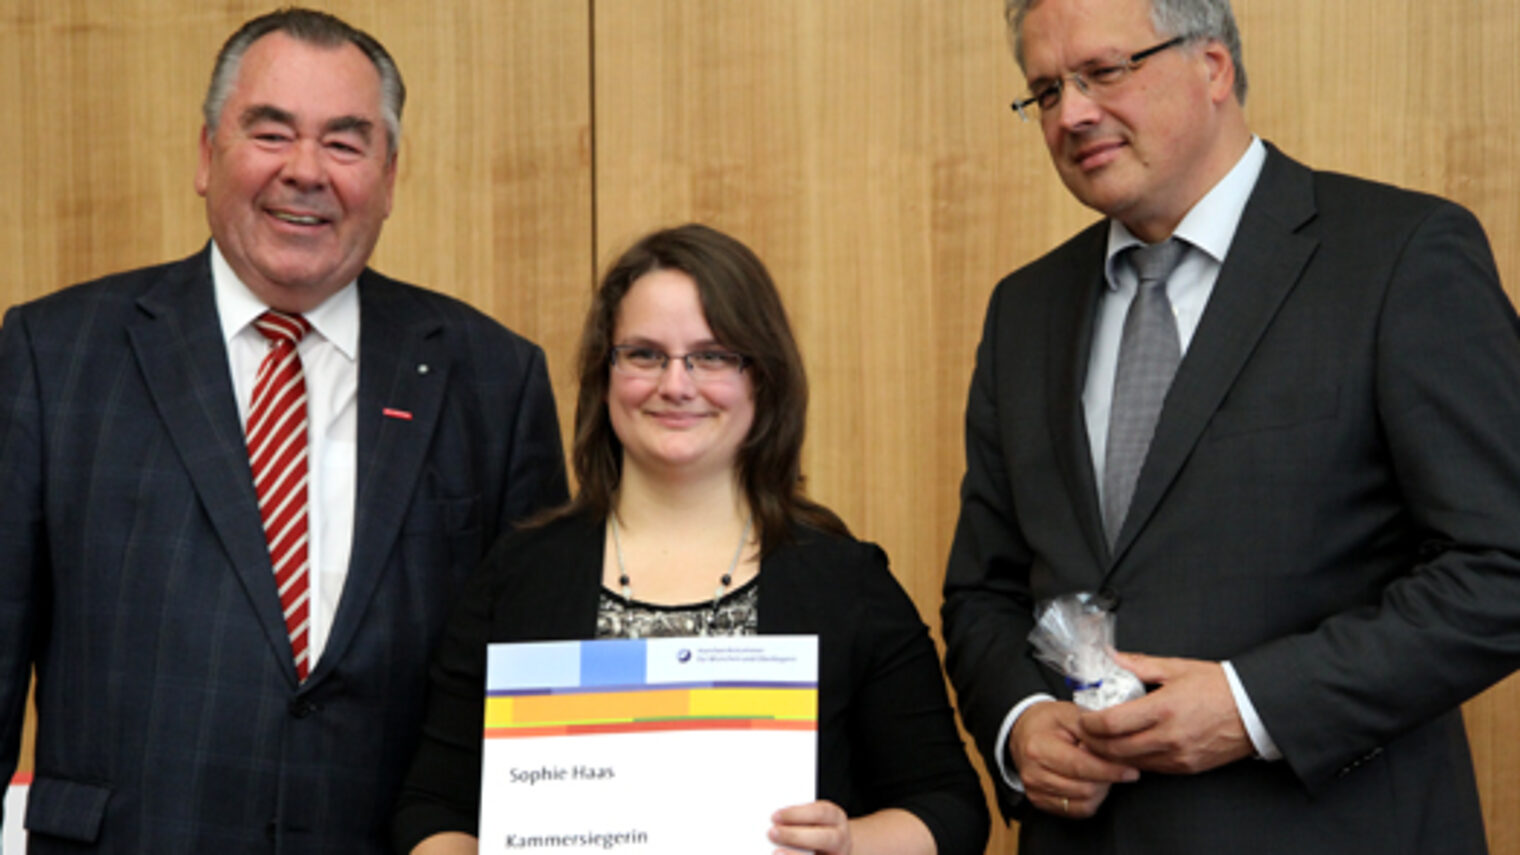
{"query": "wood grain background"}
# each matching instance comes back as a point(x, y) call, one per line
point(863, 147)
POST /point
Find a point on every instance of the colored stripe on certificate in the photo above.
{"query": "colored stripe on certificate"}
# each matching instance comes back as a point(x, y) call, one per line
point(688, 724)
point(650, 704)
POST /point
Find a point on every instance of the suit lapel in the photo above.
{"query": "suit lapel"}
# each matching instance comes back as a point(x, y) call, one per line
point(1073, 306)
point(403, 371)
point(1265, 261)
point(178, 346)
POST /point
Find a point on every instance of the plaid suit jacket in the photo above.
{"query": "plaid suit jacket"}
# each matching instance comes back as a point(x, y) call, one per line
point(134, 576)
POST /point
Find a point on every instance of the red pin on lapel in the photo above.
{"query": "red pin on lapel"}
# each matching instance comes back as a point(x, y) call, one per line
point(392, 412)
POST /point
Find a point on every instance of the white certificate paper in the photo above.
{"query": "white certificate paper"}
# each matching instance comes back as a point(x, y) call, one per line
point(663, 745)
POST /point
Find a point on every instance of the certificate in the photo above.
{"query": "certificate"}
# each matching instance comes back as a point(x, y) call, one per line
point(661, 745)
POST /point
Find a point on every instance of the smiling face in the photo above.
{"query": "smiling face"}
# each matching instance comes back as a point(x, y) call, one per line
point(669, 425)
point(298, 174)
point(1149, 148)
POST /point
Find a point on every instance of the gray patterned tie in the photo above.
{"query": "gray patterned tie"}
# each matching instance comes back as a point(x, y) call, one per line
point(1148, 355)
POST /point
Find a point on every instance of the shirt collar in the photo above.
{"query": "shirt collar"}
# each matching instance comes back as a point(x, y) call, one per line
point(1211, 223)
point(336, 319)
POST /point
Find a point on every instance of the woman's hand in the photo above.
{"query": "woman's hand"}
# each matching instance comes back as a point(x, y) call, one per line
point(448, 843)
point(819, 826)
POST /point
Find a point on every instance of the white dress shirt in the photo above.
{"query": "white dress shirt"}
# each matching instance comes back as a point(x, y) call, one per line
point(330, 360)
point(1207, 230)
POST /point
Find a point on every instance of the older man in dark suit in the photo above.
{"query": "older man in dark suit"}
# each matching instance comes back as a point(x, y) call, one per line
point(1269, 409)
point(240, 489)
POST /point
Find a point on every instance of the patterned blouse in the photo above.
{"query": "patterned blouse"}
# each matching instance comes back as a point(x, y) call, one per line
point(735, 613)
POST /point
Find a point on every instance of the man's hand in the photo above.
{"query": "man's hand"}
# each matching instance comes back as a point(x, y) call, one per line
point(1060, 775)
point(1188, 725)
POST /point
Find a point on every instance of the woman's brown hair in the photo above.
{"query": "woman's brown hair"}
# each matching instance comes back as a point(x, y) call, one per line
point(744, 310)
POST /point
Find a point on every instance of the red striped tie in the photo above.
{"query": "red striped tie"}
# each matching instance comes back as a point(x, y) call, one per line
point(277, 451)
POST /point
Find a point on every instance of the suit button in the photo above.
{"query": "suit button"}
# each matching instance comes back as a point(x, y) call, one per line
point(301, 708)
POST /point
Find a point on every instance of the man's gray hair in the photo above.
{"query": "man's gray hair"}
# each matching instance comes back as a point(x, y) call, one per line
point(313, 28)
point(1206, 19)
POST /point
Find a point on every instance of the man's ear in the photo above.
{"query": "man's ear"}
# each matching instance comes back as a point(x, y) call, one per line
point(203, 170)
point(1221, 68)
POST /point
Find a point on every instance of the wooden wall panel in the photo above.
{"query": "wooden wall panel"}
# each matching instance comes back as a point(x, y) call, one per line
point(495, 191)
point(99, 140)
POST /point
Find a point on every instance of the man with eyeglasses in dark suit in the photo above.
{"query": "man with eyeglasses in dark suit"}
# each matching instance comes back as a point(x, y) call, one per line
point(1269, 411)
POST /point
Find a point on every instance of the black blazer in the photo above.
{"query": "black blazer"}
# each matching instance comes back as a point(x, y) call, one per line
point(135, 577)
point(886, 735)
point(1331, 501)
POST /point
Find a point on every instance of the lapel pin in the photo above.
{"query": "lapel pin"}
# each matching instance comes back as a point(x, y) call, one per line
point(422, 368)
point(391, 412)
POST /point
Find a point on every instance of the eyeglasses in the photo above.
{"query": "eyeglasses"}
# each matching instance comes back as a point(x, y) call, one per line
point(704, 366)
point(1093, 80)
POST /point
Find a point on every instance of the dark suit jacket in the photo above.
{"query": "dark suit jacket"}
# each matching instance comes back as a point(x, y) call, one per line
point(135, 576)
point(886, 735)
point(1331, 501)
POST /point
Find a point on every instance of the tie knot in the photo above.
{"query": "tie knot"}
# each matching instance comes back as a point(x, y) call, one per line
point(278, 326)
point(1154, 262)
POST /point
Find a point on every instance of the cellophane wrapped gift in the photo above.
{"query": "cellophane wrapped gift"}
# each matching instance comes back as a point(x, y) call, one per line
point(1074, 634)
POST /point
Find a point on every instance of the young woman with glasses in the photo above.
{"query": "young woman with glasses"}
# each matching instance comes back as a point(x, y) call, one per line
point(690, 520)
